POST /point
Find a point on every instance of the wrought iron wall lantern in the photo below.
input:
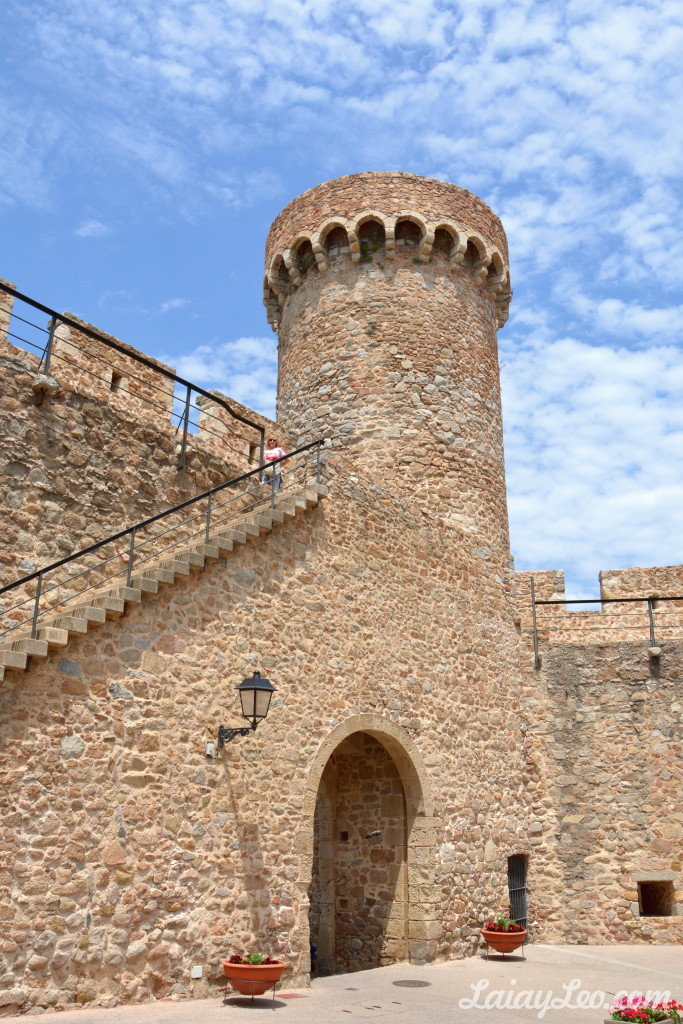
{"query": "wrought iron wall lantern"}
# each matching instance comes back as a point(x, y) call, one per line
point(255, 694)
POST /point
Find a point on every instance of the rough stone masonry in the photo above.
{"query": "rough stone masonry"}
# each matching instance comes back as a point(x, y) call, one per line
point(413, 745)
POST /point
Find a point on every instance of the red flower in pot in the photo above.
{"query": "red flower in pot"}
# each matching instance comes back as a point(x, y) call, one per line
point(504, 935)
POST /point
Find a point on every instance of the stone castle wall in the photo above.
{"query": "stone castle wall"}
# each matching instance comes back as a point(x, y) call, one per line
point(81, 463)
point(606, 710)
point(128, 856)
point(389, 619)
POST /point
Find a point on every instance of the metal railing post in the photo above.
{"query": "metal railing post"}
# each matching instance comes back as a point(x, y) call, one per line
point(537, 657)
point(653, 642)
point(47, 355)
point(208, 517)
point(131, 555)
point(272, 487)
point(36, 607)
point(186, 422)
point(262, 446)
point(317, 462)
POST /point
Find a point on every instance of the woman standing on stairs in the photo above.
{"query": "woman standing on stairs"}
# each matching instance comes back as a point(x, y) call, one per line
point(273, 452)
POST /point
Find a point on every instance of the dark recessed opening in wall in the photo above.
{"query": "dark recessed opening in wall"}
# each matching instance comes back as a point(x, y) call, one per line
point(116, 383)
point(343, 837)
point(472, 256)
point(337, 241)
point(656, 899)
point(443, 243)
point(408, 235)
point(517, 870)
point(305, 257)
point(254, 453)
point(371, 239)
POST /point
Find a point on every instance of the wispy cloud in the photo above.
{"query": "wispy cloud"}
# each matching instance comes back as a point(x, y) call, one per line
point(93, 229)
point(565, 118)
point(594, 452)
point(244, 369)
point(126, 301)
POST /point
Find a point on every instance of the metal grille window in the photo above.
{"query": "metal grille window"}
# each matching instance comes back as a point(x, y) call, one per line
point(517, 888)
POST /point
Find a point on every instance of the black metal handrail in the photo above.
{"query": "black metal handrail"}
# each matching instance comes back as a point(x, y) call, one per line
point(650, 624)
point(48, 354)
point(131, 531)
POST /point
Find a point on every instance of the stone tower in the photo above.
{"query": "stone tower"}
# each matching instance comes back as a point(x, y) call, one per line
point(387, 290)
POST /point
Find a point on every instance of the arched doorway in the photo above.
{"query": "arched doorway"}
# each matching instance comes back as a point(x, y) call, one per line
point(372, 898)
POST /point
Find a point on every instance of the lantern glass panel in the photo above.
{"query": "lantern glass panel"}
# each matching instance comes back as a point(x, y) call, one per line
point(261, 703)
point(248, 698)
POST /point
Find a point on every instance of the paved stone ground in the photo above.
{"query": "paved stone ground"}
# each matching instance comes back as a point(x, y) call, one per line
point(566, 974)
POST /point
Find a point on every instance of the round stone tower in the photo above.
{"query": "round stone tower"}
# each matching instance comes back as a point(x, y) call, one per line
point(387, 290)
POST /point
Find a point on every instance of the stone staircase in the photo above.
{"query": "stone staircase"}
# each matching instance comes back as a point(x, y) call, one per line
point(110, 602)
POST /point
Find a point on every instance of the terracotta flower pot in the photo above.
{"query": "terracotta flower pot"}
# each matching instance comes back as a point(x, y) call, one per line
point(253, 979)
point(503, 942)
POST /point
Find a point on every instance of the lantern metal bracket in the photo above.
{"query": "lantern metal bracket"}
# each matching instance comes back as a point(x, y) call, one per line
point(226, 735)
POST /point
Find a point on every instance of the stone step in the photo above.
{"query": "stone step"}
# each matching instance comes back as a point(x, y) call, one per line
point(73, 623)
point(54, 631)
point(54, 637)
point(147, 583)
point(158, 575)
point(173, 565)
point(261, 520)
point(234, 536)
point(193, 558)
point(310, 497)
point(124, 594)
point(223, 544)
point(89, 612)
point(248, 528)
point(293, 504)
point(25, 645)
point(320, 489)
point(113, 606)
point(13, 659)
point(208, 550)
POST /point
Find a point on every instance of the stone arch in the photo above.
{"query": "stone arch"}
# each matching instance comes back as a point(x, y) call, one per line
point(477, 257)
point(364, 242)
point(363, 886)
point(278, 276)
point(446, 241)
point(304, 255)
point(333, 238)
point(423, 245)
point(272, 304)
point(400, 745)
point(494, 274)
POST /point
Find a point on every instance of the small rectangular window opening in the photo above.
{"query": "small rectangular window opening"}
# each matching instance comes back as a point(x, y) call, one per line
point(116, 381)
point(343, 837)
point(656, 899)
point(254, 453)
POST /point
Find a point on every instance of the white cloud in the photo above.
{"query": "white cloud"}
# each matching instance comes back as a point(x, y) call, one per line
point(564, 117)
point(594, 453)
point(170, 305)
point(244, 369)
point(92, 229)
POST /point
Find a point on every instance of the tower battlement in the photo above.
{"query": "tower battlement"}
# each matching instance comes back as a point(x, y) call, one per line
point(382, 216)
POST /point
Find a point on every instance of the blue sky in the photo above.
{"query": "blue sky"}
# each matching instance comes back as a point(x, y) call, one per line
point(147, 147)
